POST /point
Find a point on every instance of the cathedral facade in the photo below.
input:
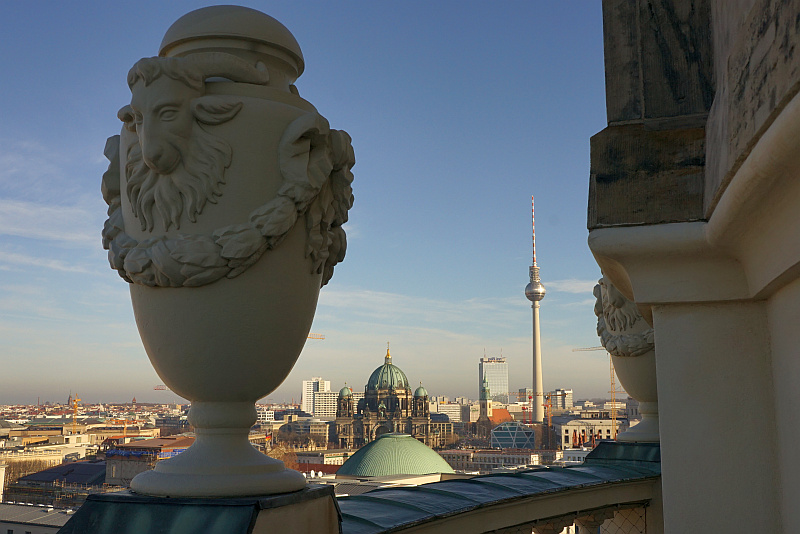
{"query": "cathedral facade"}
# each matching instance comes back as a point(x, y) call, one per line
point(388, 406)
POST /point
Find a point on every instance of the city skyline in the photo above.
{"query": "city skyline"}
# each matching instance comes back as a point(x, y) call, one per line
point(452, 134)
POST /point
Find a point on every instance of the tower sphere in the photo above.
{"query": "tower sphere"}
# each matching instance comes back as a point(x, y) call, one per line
point(535, 291)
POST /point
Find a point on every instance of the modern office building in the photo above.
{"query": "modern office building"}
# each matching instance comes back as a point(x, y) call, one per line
point(325, 403)
point(264, 415)
point(458, 413)
point(561, 399)
point(495, 370)
point(309, 388)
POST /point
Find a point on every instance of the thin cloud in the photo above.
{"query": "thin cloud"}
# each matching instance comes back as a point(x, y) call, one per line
point(14, 258)
point(586, 303)
point(572, 285)
point(397, 309)
point(68, 225)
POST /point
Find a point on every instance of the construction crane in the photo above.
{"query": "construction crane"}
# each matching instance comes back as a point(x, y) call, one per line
point(75, 402)
point(548, 408)
point(613, 391)
point(123, 422)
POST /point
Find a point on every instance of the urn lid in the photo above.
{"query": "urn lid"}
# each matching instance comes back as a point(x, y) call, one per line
point(229, 25)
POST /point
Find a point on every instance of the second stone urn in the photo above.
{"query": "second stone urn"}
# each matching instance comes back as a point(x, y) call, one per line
point(227, 193)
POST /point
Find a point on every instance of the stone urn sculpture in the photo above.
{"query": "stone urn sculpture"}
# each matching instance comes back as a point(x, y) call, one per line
point(227, 193)
point(630, 341)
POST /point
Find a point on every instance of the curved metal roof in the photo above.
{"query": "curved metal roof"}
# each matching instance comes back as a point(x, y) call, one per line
point(629, 469)
point(394, 454)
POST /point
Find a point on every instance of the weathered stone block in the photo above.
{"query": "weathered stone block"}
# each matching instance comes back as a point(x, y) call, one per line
point(676, 57)
point(622, 52)
point(763, 66)
point(658, 59)
point(645, 176)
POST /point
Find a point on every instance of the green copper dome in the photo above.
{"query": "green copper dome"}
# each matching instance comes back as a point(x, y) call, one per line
point(420, 392)
point(394, 454)
point(345, 392)
point(387, 376)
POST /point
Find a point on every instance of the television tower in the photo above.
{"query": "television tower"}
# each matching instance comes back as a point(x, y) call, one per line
point(535, 293)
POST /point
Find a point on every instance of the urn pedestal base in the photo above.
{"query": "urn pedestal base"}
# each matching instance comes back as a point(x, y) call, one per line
point(221, 462)
point(646, 431)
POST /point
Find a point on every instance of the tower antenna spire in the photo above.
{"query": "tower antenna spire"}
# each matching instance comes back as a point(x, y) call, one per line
point(533, 232)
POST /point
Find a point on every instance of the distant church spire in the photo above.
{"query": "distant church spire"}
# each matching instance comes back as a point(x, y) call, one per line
point(485, 394)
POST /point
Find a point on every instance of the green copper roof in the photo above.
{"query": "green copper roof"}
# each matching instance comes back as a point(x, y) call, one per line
point(387, 376)
point(394, 454)
point(420, 392)
point(345, 392)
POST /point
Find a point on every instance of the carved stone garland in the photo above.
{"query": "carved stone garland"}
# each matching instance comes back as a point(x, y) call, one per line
point(315, 162)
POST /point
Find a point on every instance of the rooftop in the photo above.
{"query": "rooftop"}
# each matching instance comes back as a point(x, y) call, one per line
point(89, 473)
point(33, 515)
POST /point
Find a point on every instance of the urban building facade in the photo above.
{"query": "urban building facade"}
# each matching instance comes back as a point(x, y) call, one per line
point(458, 413)
point(487, 460)
point(309, 388)
point(325, 403)
point(576, 431)
point(561, 399)
point(264, 415)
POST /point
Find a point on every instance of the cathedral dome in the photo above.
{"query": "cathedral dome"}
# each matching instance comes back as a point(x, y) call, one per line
point(420, 392)
point(387, 376)
point(345, 392)
point(394, 454)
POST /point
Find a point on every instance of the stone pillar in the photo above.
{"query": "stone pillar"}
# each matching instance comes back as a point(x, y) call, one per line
point(716, 413)
point(714, 377)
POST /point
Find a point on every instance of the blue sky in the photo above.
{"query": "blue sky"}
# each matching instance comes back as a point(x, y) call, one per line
point(459, 112)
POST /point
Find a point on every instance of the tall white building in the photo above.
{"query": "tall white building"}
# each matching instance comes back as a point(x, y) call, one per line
point(325, 403)
point(309, 388)
point(495, 370)
point(562, 399)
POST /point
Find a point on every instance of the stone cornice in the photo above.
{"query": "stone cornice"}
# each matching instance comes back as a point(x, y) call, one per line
point(747, 250)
